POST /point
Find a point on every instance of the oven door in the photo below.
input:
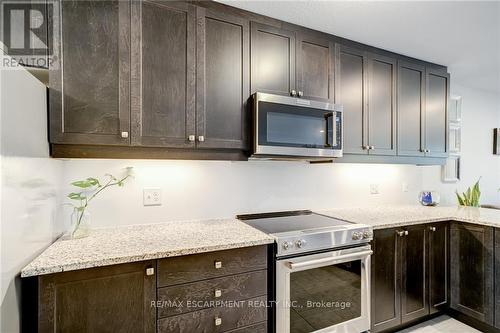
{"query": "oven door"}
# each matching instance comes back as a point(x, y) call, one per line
point(295, 127)
point(326, 292)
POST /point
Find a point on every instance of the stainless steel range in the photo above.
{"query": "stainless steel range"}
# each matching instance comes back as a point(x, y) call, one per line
point(322, 271)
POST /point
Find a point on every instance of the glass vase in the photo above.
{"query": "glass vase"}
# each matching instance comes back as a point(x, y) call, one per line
point(80, 224)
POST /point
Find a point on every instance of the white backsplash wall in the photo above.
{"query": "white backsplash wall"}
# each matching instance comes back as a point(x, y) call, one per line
point(480, 114)
point(211, 189)
point(29, 186)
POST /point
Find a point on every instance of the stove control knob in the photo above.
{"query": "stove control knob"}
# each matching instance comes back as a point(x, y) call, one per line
point(286, 245)
point(301, 243)
point(357, 236)
point(367, 234)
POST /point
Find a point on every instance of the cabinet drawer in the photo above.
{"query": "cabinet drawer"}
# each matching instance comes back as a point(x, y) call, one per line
point(258, 328)
point(234, 315)
point(194, 296)
point(203, 266)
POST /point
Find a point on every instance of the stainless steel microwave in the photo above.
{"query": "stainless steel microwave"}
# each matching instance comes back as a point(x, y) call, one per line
point(290, 127)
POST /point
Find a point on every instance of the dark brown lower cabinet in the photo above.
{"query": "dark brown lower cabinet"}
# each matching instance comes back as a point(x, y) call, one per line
point(408, 279)
point(414, 273)
point(438, 267)
point(386, 280)
point(497, 278)
point(221, 291)
point(107, 299)
point(472, 260)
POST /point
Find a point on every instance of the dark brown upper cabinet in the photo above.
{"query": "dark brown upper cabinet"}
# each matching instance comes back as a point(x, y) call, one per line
point(351, 84)
point(438, 267)
point(315, 66)
point(106, 299)
point(223, 80)
point(436, 112)
point(272, 59)
point(411, 108)
point(472, 265)
point(163, 74)
point(89, 91)
point(365, 84)
point(381, 127)
point(414, 273)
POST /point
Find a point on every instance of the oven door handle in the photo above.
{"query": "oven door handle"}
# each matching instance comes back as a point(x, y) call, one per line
point(329, 260)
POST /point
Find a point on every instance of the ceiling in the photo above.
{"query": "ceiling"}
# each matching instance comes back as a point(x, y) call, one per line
point(465, 36)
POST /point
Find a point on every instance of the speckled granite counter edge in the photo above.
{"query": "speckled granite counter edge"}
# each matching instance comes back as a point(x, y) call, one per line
point(28, 271)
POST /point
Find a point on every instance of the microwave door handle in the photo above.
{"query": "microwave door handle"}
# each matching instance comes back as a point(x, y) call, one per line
point(328, 261)
point(330, 121)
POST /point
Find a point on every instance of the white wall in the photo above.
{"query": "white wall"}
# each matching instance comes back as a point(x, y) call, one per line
point(29, 185)
point(206, 189)
point(480, 114)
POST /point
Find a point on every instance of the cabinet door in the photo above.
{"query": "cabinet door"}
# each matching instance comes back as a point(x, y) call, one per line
point(411, 99)
point(107, 299)
point(438, 266)
point(382, 105)
point(89, 95)
point(272, 59)
point(497, 277)
point(471, 262)
point(436, 113)
point(414, 293)
point(223, 81)
point(385, 285)
point(350, 91)
point(315, 65)
point(163, 74)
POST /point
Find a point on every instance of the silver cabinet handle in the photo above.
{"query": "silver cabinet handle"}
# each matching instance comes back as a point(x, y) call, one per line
point(372, 147)
point(201, 138)
point(218, 321)
point(406, 232)
point(400, 233)
point(150, 271)
point(191, 138)
point(293, 92)
point(218, 264)
point(432, 228)
point(300, 94)
point(124, 135)
point(366, 147)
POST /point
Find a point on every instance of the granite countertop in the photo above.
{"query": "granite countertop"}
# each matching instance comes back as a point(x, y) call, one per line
point(118, 245)
point(398, 216)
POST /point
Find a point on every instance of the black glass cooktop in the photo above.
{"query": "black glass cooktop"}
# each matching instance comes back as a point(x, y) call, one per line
point(274, 223)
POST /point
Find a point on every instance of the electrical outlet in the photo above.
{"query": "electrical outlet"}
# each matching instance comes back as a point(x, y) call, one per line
point(374, 189)
point(404, 187)
point(151, 197)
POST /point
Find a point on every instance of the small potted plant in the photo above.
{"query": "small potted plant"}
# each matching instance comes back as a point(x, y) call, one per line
point(470, 197)
point(87, 190)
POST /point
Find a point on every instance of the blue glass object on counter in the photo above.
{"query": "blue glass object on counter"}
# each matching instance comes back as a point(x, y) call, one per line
point(429, 198)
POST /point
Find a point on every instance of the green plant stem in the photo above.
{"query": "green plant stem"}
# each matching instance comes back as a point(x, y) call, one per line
point(108, 184)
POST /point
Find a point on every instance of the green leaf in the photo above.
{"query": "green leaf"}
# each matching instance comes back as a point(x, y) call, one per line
point(82, 183)
point(93, 181)
point(76, 196)
point(460, 200)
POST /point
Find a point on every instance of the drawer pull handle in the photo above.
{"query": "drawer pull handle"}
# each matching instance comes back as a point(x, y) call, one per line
point(218, 321)
point(150, 271)
point(432, 228)
point(218, 264)
point(218, 293)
